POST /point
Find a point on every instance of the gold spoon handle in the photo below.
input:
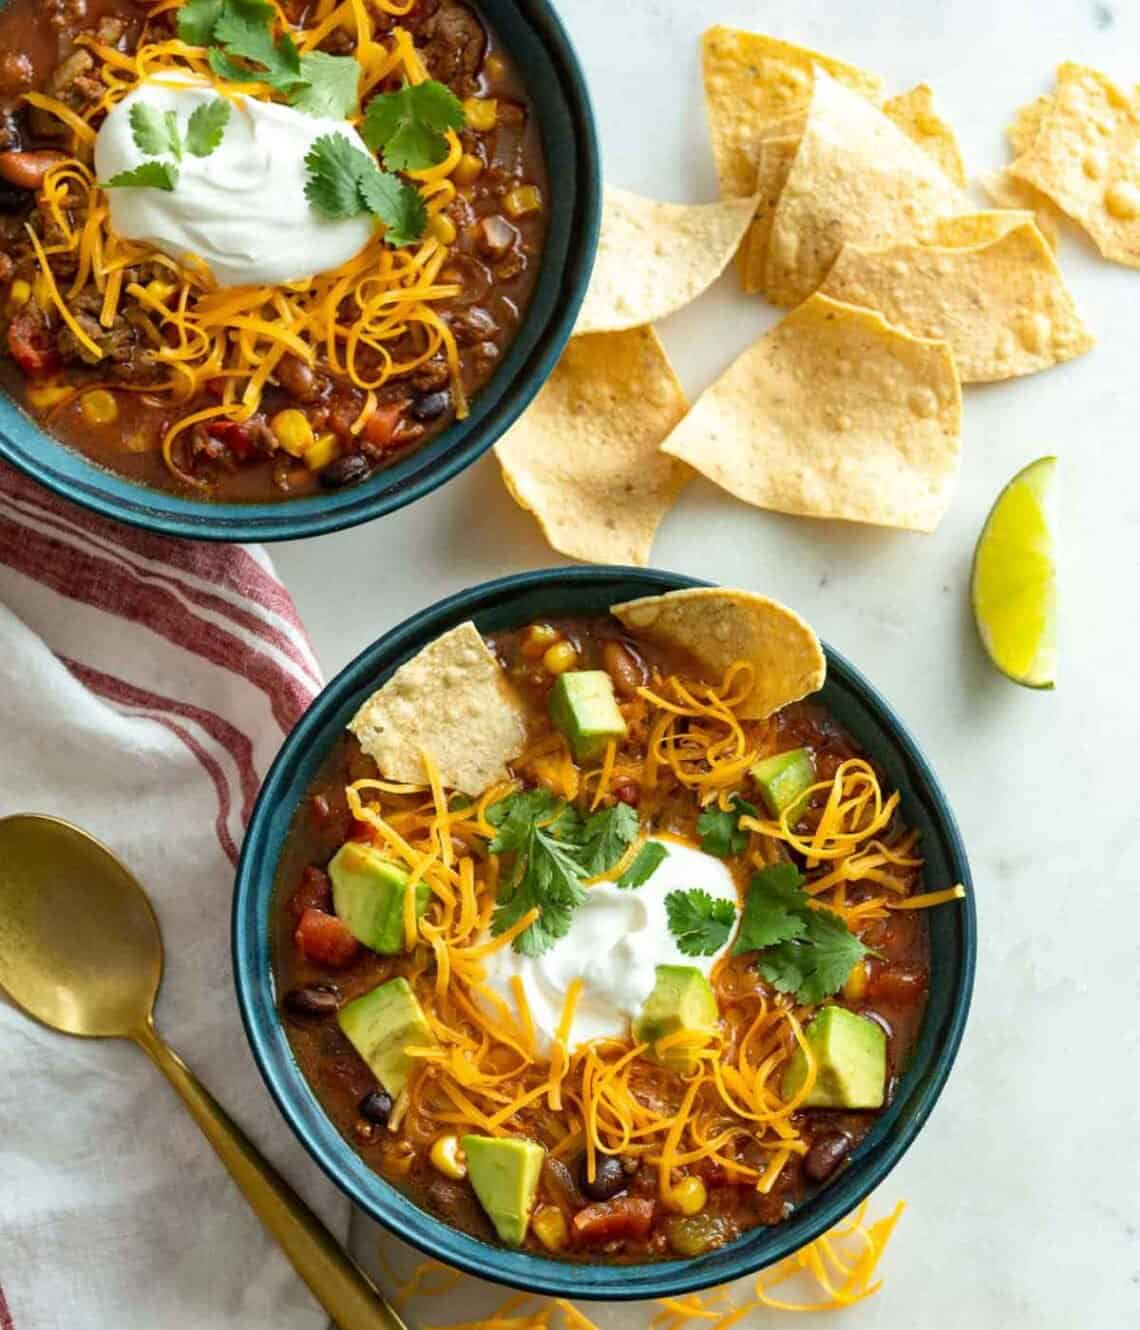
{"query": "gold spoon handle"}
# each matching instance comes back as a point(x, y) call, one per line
point(334, 1279)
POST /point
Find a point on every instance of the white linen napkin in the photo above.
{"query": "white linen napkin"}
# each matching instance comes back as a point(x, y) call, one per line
point(145, 686)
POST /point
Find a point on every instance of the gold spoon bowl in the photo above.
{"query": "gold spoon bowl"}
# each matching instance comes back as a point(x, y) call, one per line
point(81, 952)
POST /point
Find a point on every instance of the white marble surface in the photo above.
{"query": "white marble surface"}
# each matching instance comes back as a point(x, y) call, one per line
point(1024, 1189)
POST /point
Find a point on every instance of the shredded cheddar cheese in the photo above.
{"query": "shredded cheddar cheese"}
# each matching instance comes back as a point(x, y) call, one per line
point(361, 318)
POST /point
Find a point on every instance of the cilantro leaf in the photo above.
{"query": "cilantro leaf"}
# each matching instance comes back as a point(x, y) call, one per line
point(606, 837)
point(514, 816)
point(773, 909)
point(408, 127)
point(245, 29)
point(720, 831)
point(155, 132)
point(150, 175)
point(834, 951)
point(334, 169)
point(196, 20)
point(700, 923)
point(330, 85)
point(398, 204)
point(645, 863)
point(207, 125)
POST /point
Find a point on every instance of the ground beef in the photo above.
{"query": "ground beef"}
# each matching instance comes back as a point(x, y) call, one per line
point(453, 45)
point(16, 72)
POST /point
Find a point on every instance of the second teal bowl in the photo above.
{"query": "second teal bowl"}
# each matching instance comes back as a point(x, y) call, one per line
point(509, 603)
point(532, 32)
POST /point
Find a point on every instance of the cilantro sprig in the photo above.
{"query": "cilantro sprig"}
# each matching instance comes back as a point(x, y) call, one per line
point(244, 48)
point(408, 127)
point(553, 850)
point(700, 923)
point(344, 182)
point(800, 949)
point(645, 863)
point(720, 830)
point(157, 133)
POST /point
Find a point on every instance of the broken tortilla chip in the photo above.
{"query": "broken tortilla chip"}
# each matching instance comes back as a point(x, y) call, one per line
point(751, 81)
point(584, 456)
point(453, 702)
point(719, 627)
point(1085, 157)
point(1023, 129)
point(856, 179)
point(654, 258)
point(1007, 192)
point(834, 413)
point(916, 115)
point(999, 302)
point(773, 165)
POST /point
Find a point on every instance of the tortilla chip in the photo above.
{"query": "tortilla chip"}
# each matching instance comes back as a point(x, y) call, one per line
point(856, 178)
point(584, 456)
point(1086, 158)
point(1007, 192)
point(773, 166)
point(833, 413)
point(719, 627)
point(915, 114)
point(453, 702)
point(1026, 124)
point(751, 81)
point(1001, 305)
point(654, 258)
point(974, 228)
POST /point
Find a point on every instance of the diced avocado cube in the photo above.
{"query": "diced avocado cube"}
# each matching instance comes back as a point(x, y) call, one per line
point(584, 708)
point(368, 896)
point(784, 779)
point(504, 1173)
point(850, 1059)
point(380, 1025)
point(682, 999)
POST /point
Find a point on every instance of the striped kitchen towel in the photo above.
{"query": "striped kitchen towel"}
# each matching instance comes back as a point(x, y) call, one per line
point(145, 686)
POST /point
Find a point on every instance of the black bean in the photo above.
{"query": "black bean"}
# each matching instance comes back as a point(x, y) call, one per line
point(430, 406)
point(609, 1178)
point(376, 1106)
point(345, 471)
point(312, 1003)
point(825, 1156)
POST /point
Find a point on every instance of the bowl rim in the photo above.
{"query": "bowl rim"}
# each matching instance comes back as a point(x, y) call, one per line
point(384, 1203)
point(81, 480)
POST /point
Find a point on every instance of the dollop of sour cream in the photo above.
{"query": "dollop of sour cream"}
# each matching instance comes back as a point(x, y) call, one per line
point(617, 939)
point(243, 208)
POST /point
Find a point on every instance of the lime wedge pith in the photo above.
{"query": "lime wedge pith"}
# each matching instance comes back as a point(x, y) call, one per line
point(1013, 586)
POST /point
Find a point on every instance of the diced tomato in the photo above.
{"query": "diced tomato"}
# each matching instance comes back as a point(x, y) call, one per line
point(894, 984)
point(324, 939)
point(359, 830)
point(314, 892)
point(380, 427)
point(237, 437)
point(30, 343)
point(623, 1217)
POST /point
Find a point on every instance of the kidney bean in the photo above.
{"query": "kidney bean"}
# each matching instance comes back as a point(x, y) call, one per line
point(609, 1179)
point(312, 1003)
point(825, 1156)
point(626, 669)
point(345, 471)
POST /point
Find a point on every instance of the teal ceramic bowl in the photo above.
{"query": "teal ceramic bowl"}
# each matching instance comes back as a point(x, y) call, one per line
point(532, 32)
point(508, 603)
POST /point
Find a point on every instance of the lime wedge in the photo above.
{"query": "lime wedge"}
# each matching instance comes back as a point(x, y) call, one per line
point(1013, 586)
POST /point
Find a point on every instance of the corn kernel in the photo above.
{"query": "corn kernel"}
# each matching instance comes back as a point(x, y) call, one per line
point(688, 1197)
point(494, 67)
point(539, 636)
point(559, 658)
point(442, 229)
point(293, 432)
point(100, 407)
point(522, 199)
point(856, 986)
point(549, 1224)
point(468, 169)
point(482, 113)
point(322, 452)
point(20, 292)
point(45, 395)
point(448, 1158)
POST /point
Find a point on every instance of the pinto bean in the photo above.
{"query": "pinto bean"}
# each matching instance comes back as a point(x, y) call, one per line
point(626, 669)
point(26, 170)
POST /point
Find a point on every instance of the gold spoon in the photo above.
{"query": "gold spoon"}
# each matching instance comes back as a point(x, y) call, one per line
point(80, 951)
